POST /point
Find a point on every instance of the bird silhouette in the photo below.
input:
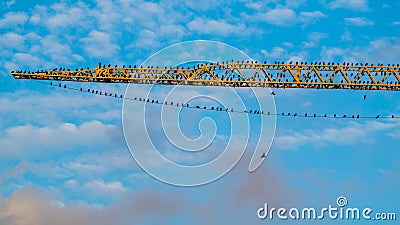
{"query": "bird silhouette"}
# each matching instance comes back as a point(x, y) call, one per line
point(263, 155)
point(365, 97)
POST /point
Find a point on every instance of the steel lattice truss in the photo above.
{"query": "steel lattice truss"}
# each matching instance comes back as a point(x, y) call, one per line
point(238, 74)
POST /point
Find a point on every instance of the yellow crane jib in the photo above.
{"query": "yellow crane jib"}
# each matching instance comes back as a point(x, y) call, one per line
point(318, 75)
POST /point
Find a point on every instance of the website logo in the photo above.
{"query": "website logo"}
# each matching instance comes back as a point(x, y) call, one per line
point(339, 211)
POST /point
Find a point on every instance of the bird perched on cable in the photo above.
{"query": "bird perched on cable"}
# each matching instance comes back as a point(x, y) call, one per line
point(263, 155)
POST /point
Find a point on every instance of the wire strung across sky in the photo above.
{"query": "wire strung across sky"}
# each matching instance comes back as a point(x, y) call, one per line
point(220, 109)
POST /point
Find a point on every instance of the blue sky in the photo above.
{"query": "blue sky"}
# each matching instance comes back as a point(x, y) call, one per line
point(64, 159)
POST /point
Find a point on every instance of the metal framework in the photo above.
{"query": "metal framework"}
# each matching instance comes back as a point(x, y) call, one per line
point(319, 75)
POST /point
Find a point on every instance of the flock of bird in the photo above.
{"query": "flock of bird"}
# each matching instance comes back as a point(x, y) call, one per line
point(226, 63)
point(218, 108)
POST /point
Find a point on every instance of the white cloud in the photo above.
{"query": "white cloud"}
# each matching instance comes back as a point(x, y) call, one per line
point(352, 134)
point(280, 17)
point(104, 161)
point(359, 21)
point(32, 37)
point(314, 39)
point(385, 50)
point(9, 3)
point(282, 54)
point(30, 205)
point(146, 24)
point(108, 14)
point(83, 168)
point(27, 60)
point(66, 136)
point(172, 31)
point(262, 5)
point(55, 105)
point(332, 53)
point(65, 16)
point(382, 50)
point(255, 5)
point(205, 4)
point(36, 17)
point(285, 17)
point(295, 3)
point(59, 53)
point(60, 16)
point(30, 51)
point(151, 8)
point(346, 36)
point(13, 19)
point(146, 39)
point(396, 23)
point(218, 27)
point(37, 169)
point(100, 44)
point(288, 44)
point(100, 186)
point(391, 175)
point(306, 104)
point(12, 40)
point(309, 18)
point(71, 183)
point(356, 5)
point(275, 53)
point(23, 167)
